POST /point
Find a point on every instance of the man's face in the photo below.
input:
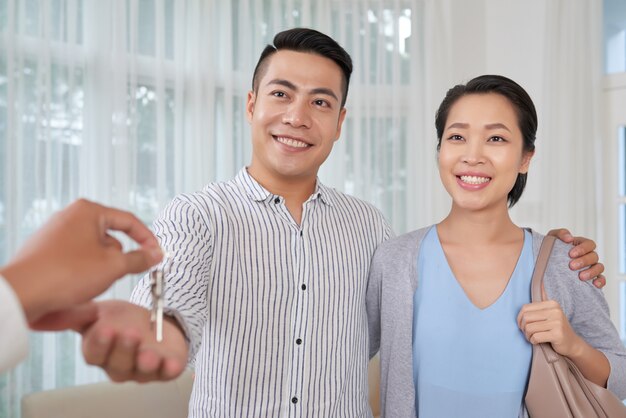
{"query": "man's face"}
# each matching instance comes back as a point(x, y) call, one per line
point(295, 116)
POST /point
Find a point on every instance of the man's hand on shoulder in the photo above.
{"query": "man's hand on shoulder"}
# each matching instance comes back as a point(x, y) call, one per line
point(584, 257)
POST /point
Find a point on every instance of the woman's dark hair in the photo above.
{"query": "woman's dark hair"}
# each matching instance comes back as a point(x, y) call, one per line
point(311, 41)
point(516, 95)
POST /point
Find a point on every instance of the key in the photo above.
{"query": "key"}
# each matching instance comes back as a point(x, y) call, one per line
point(156, 288)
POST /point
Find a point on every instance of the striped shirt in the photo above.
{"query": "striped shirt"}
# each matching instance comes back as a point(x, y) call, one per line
point(274, 311)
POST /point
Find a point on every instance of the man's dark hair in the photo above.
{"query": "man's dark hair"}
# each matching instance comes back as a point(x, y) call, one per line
point(516, 95)
point(310, 41)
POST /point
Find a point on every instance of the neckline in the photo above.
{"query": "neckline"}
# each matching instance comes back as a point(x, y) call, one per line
point(466, 297)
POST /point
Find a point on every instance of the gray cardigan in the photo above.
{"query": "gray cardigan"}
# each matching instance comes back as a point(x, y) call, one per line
point(392, 284)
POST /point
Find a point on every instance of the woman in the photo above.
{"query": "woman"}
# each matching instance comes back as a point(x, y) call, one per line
point(453, 300)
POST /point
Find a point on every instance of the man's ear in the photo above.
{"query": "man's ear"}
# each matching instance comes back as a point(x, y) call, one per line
point(528, 155)
point(250, 101)
point(342, 117)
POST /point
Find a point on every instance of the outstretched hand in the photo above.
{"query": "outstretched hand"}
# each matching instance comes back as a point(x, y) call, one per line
point(122, 342)
point(73, 259)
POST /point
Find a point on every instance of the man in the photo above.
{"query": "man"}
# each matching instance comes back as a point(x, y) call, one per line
point(266, 279)
point(67, 263)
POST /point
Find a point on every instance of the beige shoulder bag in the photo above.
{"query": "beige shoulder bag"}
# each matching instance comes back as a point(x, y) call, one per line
point(556, 387)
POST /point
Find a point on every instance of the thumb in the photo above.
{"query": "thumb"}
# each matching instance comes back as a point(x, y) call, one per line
point(142, 259)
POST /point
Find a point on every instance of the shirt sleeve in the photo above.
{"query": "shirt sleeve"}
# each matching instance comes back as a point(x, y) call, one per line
point(184, 235)
point(13, 328)
point(372, 302)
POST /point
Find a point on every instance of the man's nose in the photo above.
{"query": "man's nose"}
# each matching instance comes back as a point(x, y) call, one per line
point(297, 114)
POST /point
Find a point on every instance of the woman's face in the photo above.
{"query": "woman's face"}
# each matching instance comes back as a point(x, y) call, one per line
point(481, 151)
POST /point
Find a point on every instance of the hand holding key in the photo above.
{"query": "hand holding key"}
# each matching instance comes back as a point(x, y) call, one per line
point(122, 342)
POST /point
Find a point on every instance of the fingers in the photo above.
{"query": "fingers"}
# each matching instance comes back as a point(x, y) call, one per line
point(582, 246)
point(97, 344)
point(148, 366)
point(563, 234)
point(122, 343)
point(599, 281)
point(151, 366)
point(586, 260)
point(121, 361)
point(110, 241)
point(538, 311)
point(592, 272)
point(124, 358)
point(535, 323)
point(128, 223)
point(543, 332)
point(140, 260)
point(117, 354)
point(172, 368)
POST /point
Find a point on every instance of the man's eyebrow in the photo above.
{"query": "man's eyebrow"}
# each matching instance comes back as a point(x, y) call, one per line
point(291, 86)
point(282, 82)
point(325, 91)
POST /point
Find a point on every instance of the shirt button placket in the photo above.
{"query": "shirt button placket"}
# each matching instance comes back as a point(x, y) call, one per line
point(300, 323)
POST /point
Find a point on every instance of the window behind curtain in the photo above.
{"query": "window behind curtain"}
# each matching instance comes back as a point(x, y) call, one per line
point(615, 143)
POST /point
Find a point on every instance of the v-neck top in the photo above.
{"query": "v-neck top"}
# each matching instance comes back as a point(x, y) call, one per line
point(468, 361)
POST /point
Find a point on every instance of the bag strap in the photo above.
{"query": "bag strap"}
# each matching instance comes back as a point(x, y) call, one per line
point(537, 280)
point(540, 268)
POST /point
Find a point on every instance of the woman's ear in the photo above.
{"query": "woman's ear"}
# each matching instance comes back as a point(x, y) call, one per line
point(528, 155)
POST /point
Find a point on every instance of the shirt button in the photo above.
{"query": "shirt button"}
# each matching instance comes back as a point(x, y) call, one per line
point(303, 287)
point(277, 200)
point(299, 341)
point(294, 400)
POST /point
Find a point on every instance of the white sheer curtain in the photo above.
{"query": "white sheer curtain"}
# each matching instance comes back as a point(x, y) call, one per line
point(129, 102)
point(569, 164)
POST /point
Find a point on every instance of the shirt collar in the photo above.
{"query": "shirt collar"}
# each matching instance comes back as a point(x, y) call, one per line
point(258, 193)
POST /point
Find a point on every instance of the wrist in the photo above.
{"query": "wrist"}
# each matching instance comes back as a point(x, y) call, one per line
point(578, 349)
point(29, 294)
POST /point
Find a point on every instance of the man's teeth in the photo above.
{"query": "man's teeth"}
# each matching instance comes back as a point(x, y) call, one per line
point(291, 142)
point(474, 179)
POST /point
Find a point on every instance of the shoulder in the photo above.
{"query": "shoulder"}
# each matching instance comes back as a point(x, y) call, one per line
point(559, 256)
point(402, 247)
point(344, 200)
point(209, 196)
point(357, 211)
point(563, 285)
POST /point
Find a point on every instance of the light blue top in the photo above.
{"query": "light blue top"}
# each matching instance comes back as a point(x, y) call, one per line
point(467, 361)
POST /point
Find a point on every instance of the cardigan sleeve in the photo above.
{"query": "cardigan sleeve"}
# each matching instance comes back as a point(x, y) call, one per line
point(588, 314)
